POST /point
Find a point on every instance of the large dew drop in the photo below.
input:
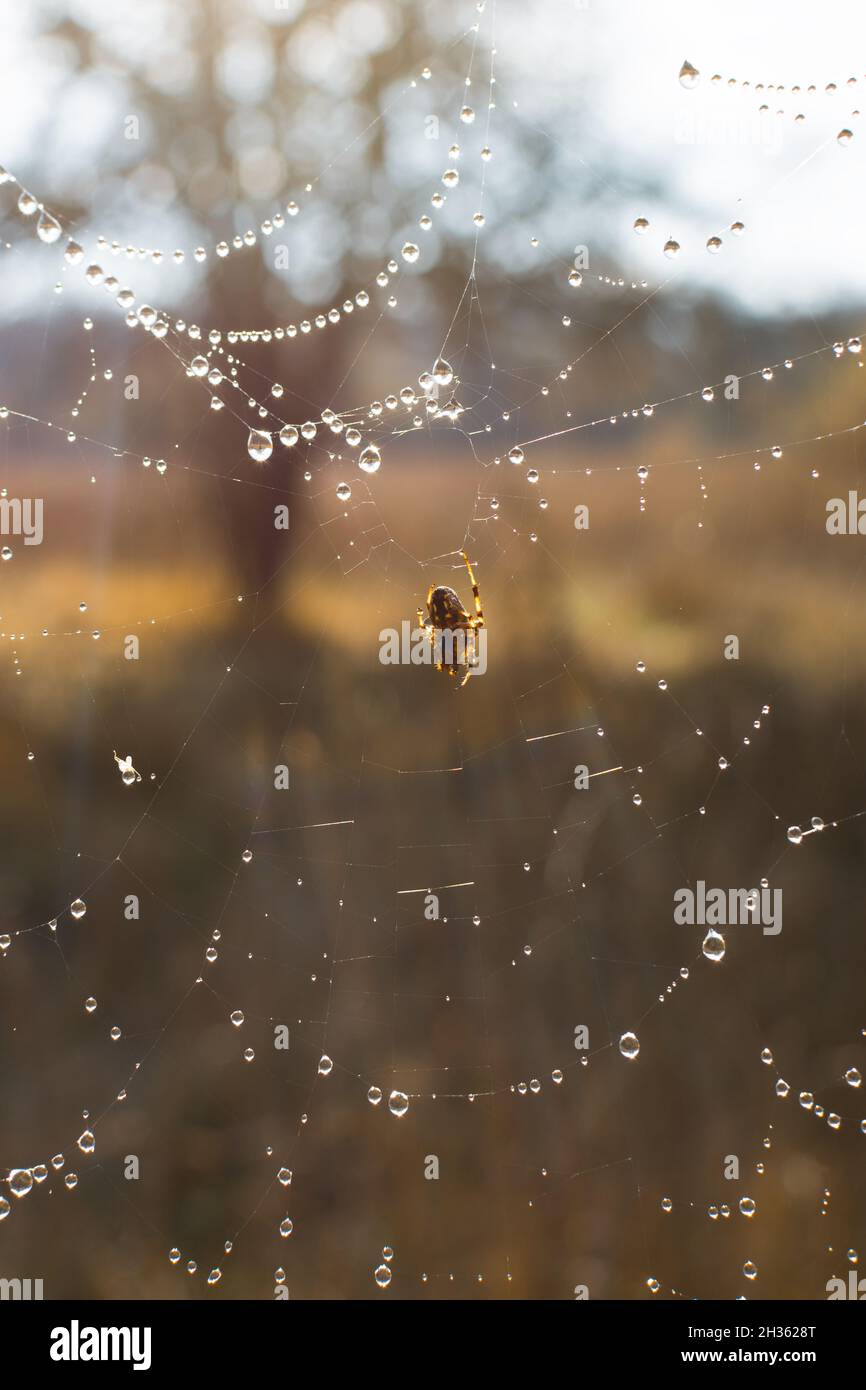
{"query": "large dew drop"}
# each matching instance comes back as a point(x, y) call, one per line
point(714, 945)
point(629, 1046)
point(48, 229)
point(20, 1181)
point(442, 373)
point(260, 446)
point(398, 1103)
point(688, 75)
point(369, 459)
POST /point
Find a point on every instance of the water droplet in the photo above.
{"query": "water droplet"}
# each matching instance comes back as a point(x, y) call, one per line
point(382, 1275)
point(629, 1046)
point(370, 459)
point(641, 225)
point(713, 945)
point(78, 908)
point(398, 1103)
point(48, 229)
point(87, 1142)
point(442, 373)
point(326, 1066)
point(688, 75)
point(260, 446)
point(20, 1181)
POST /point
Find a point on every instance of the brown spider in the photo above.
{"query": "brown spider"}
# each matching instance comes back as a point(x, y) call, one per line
point(458, 655)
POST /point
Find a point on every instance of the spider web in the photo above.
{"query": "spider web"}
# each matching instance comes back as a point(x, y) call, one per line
point(434, 1126)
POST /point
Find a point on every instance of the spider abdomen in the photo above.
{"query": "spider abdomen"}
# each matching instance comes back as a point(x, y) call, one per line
point(445, 608)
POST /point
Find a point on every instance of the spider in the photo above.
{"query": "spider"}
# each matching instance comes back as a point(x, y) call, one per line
point(456, 655)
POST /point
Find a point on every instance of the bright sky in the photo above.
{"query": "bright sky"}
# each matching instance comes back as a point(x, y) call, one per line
point(801, 195)
point(715, 158)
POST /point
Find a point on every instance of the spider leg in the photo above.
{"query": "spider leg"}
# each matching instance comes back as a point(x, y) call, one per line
point(479, 615)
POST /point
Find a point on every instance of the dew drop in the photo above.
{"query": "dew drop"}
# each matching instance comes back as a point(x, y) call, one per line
point(259, 446)
point(48, 229)
point(370, 459)
point(398, 1103)
point(442, 373)
point(20, 1181)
